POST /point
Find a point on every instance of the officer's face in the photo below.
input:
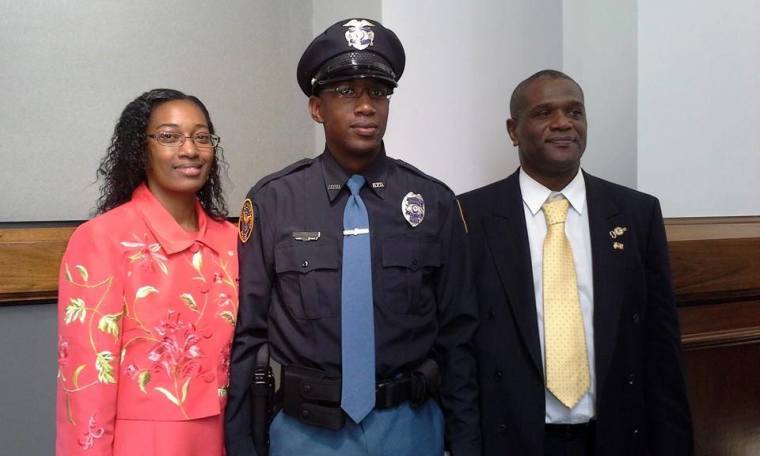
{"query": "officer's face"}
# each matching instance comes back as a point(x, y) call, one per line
point(353, 126)
point(550, 129)
point(177, 170)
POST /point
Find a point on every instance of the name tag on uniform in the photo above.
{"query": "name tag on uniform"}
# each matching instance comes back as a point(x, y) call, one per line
point(306, 236)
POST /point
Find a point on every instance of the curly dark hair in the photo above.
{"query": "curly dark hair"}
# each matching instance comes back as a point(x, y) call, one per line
point(123, 167)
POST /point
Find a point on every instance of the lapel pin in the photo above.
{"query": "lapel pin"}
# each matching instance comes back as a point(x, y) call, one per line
point(618, 231)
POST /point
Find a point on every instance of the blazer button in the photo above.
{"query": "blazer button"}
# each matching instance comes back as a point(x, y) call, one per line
point(414, 262)
point(631, 379)
point(501, 428)
point(636, 318)
point(305, 264)
point(491, 314)
point(499, 374)
point(305, 414)
point(636, 432)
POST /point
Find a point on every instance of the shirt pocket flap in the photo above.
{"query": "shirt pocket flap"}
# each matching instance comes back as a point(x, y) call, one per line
point(411, 253)
point(305, 257)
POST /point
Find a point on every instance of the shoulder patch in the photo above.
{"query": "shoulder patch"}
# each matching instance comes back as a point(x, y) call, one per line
point(283, 172)
point(246, 221)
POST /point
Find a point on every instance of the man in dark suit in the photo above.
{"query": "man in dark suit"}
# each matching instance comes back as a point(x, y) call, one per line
point(578, 345)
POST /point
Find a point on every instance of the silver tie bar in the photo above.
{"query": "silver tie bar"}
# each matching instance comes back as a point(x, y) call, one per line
point(355, 231)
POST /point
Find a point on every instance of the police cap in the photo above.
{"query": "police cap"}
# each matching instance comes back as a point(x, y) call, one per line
point(351, 49)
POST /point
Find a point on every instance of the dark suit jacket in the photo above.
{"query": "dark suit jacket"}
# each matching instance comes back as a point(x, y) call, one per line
point(641, 403)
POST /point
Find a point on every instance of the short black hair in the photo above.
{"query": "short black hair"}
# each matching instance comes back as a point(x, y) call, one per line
point(515, 102)
point(123, 167)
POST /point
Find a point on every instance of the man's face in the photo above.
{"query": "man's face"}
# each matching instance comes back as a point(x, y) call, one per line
point(354, 114)
point(550, 127)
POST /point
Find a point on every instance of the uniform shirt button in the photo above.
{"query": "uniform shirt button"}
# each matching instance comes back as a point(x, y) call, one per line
point(631, 379)
point(501, 428)
point(636, 318)
point(305, 264)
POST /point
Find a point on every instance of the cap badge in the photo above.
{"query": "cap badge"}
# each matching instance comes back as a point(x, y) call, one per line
point(246, 221)
point(358, 35)
point(413, 208)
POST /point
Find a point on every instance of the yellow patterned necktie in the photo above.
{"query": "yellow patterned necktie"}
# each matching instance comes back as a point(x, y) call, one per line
point(567, 375)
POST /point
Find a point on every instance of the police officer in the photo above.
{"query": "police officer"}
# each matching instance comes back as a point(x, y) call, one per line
point(354, 271)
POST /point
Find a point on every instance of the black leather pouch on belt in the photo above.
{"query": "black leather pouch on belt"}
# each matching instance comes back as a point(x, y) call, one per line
point(312, 397)
point(425, 382)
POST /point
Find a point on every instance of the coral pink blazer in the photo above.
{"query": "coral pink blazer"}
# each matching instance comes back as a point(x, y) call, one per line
point(146, 313)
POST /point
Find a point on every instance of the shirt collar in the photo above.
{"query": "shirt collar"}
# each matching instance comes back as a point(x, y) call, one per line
point(167, 231)
point(335, 177)
point(535, 195)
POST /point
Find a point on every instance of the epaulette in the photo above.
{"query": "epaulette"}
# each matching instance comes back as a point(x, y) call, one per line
point(303, 163)
point(420, 173)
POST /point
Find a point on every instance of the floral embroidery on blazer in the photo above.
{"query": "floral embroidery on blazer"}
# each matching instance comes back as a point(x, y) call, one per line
point(146, 314)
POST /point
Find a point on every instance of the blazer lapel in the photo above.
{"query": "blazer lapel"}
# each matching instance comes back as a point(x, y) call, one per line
point(607, 261)
point(507, 239)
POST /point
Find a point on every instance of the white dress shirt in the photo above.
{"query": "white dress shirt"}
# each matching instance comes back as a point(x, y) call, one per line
point(577, 230)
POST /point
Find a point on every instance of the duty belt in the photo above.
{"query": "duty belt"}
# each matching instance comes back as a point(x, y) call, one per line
point(313, 397)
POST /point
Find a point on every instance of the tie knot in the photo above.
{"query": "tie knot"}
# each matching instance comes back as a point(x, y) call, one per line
point(355, 183)
point(556, 211)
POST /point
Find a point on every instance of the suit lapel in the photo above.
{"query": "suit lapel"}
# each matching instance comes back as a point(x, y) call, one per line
point(604, 216)
point(507, 239)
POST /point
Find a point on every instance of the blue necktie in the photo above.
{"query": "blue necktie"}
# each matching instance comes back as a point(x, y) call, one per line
point(357, 318)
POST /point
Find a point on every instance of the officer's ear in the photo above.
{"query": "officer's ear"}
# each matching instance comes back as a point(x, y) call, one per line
point(315, 108)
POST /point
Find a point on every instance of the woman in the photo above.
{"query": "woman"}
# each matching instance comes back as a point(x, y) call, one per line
point(148, 292)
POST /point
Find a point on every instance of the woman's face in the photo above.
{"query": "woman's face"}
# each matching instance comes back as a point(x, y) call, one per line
point(177, 170)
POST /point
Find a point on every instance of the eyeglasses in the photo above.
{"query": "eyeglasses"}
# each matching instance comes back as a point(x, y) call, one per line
point(203, 140)
point(374, 93)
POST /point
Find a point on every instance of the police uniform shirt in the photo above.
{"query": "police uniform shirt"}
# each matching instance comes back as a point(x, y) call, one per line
point(290, 281)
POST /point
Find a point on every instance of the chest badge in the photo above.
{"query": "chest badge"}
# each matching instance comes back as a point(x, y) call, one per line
point(245, 222)
point(413, 208)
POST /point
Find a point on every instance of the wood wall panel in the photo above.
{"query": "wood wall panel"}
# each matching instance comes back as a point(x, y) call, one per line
point(29, 260)
point(724, 394)
point(716, 279)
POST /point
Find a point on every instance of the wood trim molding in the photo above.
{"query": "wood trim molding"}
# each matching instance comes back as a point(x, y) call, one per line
point(704, 228)
point(29, 261)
